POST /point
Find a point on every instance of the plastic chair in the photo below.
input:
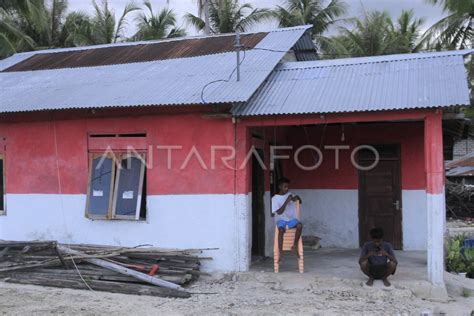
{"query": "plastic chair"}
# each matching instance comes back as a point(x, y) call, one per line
point(288, 242)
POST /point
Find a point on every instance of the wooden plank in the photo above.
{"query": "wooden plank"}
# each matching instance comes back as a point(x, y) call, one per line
point(73, 275)
point(122, 270)
point(113, 287)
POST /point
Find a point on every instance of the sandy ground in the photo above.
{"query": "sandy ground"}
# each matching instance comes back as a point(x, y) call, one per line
point(245, 293)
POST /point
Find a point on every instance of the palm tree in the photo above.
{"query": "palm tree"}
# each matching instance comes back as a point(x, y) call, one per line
point(34, 24)
point(454, 31)
point(7, 4)
point(157, 26)
point(203, 12)
point(369, 35)
point(404, 37)
point(228, 16)
point(30, 24)
point(377, 34)
point(104, 28)
point(77, 30)
point(310, 12)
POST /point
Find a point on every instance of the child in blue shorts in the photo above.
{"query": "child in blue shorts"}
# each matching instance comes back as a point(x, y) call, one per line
point(284, 208)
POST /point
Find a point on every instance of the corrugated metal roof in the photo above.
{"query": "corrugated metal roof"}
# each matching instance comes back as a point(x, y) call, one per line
point(305, 50)
point(391, 82)
point(460, 172)
point(113, 55)
point(465, 161)
point(164, 82)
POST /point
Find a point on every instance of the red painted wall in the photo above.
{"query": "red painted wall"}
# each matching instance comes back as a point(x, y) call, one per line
point(31, 159)
point(408, 135)
point(31, 165)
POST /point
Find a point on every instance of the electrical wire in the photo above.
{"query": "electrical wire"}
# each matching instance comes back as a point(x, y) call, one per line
point(321, 142)
point(62, 205)
point(222, 80)
point(323, 135)
point(274, 51)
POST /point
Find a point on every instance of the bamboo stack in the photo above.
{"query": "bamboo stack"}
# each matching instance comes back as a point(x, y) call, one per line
point(459, 200)
point(101, 268)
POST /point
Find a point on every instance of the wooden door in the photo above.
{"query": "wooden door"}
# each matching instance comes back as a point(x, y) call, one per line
point(380, 203)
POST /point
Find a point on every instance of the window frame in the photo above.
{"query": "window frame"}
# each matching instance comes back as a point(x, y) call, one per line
point(4, 178)
point(142, 157)
point(88, 214)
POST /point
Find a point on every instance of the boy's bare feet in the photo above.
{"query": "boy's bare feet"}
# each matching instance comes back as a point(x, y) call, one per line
point(385, 282)
point(370, 282)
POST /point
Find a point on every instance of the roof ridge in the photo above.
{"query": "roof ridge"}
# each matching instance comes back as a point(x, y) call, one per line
point(150, 42)
point(369, 60)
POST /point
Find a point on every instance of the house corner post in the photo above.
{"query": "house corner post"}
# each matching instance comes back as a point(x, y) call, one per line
point(435, 196)
point(242, 198)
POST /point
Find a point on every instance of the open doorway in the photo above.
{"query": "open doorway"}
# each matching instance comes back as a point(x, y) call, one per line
point(258, 206)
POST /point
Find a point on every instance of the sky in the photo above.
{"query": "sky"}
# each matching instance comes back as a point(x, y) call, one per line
point(356, 8)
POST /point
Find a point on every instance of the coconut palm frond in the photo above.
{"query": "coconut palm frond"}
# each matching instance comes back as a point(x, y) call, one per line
point(157, 26)
point(228, 16)
point(195, 21)
point(122, 22)
point(255, 17)
point(6, 46)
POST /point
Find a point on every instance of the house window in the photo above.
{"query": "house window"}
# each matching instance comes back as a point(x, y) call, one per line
point(117, 179)
point(2, 185)
point(128, 192)
point(3, 192)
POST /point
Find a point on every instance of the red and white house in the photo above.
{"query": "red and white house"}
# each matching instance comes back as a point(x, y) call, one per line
point(159, 143)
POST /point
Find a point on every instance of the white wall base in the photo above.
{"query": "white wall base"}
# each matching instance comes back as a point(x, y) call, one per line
point(269, 226)
point(414, 220)
point(221, 221)
point(333, 216)
point(436, 220)
point(180, 221)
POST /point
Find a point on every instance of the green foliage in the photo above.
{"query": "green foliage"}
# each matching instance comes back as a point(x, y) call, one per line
point(466, 292)
point(104, 28)
point(228, 16)
point(377, 34)
point(36, 24)
point(310, 12)
point(457, 260)
point(454, 258)
point(157, 25)
point(321, 14)
point(454, 31)
point(469, 260)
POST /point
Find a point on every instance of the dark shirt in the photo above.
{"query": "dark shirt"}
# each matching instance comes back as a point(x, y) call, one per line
point(377, 260)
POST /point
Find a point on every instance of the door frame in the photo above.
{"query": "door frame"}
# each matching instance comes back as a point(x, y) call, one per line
point(398, 230)
point(262, 225)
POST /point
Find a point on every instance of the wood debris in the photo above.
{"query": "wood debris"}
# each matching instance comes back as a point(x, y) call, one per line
point(459, 200)
point(139, 270)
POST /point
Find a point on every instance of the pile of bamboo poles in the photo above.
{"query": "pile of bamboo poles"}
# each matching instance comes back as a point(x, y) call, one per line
point(139, 270)
point(459, 200)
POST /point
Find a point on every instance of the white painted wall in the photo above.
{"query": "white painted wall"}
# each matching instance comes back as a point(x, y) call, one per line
point(221, 221)
point(333, 216)
point(180, 221)
point(436, 221)
point(414, 220)
point(269, 226)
